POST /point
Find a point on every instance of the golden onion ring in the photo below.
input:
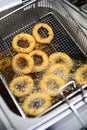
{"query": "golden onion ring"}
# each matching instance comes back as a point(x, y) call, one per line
point(26, 38)
point(22, 63)
point(36, 103)
point(51, 84)
point(61, 57)
point(38, 37)
point(61, 70)
point(44, 62)
point(21, 86)
point(81, 75)
point(5, 63)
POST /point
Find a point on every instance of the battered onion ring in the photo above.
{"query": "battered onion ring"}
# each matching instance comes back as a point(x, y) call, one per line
point(21, 86)
point(39, 107)
point(43, 55)
point(51, 84)
point(5, 63)
point(61, 57)
point(81, 75)
point(61, 70)
point(20, 67)
point(38, 37)
point(26, 38)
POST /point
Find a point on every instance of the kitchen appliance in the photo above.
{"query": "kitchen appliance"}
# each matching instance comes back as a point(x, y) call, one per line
point(69, 38)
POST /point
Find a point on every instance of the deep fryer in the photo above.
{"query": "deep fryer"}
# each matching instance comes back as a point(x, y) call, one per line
point(69, 38)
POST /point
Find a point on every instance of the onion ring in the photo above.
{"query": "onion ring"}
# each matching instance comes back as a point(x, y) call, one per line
point(61, 57)
point(61, 70)
point(51, 83)
point(43, 55)
point(26, 38)
point(22, 63)
point(36, 103)
point(21, 86)
point(38, 37)
point(81, 75)
point(5, 63)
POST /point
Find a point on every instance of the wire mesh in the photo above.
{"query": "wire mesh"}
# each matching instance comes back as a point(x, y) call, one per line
point(68, 37)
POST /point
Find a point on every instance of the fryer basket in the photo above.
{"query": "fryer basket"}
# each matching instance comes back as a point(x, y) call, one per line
point(69, 37)
point(33, 12)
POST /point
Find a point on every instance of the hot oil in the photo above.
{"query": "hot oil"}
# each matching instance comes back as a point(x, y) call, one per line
point(77, 64)
point(37, 103)
point(52, 84)
point(9, 75)
point(6, 68)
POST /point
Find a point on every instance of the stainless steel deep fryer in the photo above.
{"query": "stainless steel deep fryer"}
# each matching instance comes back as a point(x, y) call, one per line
point(69, 38)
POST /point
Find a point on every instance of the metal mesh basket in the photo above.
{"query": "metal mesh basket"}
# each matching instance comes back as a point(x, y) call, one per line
point(69, 37)
point(25, 17)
